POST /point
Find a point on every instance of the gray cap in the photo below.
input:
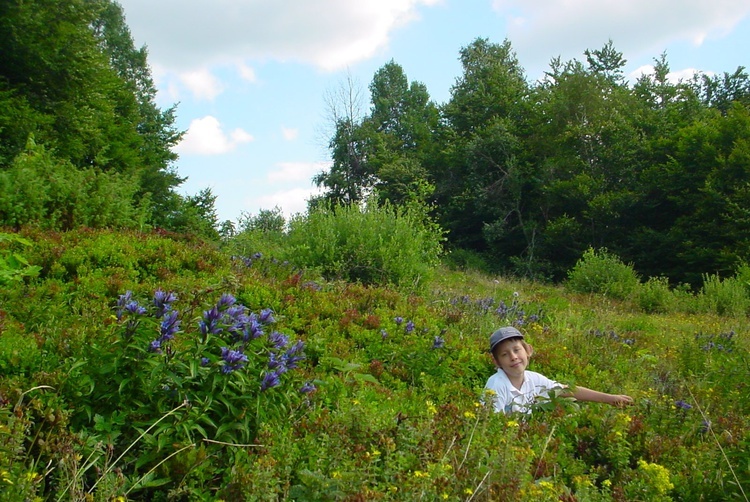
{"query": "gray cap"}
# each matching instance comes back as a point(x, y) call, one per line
point(503, 334)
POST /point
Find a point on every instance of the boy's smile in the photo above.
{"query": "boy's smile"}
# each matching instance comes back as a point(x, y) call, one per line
point(512, 358)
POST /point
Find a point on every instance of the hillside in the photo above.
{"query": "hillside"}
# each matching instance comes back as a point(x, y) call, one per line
point(146, 367)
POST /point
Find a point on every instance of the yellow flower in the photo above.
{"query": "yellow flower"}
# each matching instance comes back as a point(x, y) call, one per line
point(335, 474)
point(445, 496)
point(607, 483)
point(469, 414)
point(421, 474)
point(431, 407)
point(469, 491)
point(512, 423)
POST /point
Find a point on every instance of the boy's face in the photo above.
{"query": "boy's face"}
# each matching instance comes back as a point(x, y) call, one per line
point(511, 357)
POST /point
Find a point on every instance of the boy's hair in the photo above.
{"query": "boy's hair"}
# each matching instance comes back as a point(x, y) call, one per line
point(528, 348)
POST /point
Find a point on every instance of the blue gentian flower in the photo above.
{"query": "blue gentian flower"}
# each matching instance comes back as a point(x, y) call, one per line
point(683, 405)
point(205, 361)
point(278, 340)
point(226, 301)
point(170, 325)
point(307, 388)
point(155, 346)
point(438, 343)
point(270, 379)
point(163, 301)
point(398, 319)
point(233, 359)
point(266, 316)
point(409, 327)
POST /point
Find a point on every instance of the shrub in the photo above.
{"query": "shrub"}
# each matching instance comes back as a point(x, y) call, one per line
point(654, 295)
point(602, 273)
point(727, 297)
point(371, 245)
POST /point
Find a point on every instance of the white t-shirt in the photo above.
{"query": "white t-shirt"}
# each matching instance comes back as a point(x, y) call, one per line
point(508, 399)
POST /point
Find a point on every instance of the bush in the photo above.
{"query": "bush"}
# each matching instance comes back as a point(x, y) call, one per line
point(602, 273)
point(726, 297)
point(371, 245)
point(654, 296)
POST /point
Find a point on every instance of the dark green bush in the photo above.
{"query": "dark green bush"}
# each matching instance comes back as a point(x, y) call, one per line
point(602, 273)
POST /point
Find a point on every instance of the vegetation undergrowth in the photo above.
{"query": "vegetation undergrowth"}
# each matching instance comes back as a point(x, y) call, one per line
point(153, 366)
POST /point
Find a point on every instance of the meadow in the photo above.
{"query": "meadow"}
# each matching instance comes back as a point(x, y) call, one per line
point(156, 366)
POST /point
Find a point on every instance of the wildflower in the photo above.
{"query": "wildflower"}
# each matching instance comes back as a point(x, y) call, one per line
point(210, 322)
point(233, 360)
point(205, 361)
point(383, 334)
point(438, 343)
point(307, 388)
point(682, 405)
point(294, 355)
point(270, 379)
point(421, 474)
point(469, 414)
point(278, 340)
point(163, 301)
point(155, 346)
point(266, 316)
point(253, 328)
point(469, 491)
point(606, 483)
point(134, 308)
point(409, 327)
point(169, 325)
point(512, 423)
point(705, 426)
point(431, 407)
point(226, 301)
point(276, 363)
point(398, 319)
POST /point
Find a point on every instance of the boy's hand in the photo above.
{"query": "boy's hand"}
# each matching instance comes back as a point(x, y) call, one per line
point(620, 400)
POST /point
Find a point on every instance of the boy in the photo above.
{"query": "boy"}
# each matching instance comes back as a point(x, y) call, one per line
point(515, 388)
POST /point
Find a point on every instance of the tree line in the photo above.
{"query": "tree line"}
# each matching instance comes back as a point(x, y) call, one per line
point(82, 141)
point(531, 175)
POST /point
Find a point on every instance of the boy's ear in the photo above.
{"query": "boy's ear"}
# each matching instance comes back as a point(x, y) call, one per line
point(529, 349)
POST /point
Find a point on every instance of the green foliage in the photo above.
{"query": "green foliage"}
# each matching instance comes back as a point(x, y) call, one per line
point(654, 295)
point(14, 267)
point(601, 272)
point(724, 297)
point(372, 245)
point(39, 188)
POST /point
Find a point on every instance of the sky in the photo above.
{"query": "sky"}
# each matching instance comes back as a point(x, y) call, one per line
point(253, 80)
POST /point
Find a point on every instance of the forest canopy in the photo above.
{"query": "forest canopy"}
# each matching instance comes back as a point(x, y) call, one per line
point(531, 175)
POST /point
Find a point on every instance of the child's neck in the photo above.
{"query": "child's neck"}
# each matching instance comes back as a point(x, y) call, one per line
point(516, 381)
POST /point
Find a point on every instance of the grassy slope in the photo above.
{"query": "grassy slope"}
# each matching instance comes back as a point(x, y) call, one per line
point(392, 418)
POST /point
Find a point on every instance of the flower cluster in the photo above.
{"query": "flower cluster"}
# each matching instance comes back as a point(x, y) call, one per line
point(161, 310)
point(723, 342)
point(612, 336)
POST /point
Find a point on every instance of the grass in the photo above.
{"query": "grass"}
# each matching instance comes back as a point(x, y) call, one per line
point(392, 417)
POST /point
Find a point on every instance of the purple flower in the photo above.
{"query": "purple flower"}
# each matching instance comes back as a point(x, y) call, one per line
point(225, 301)
point(307, 388)
point(705, 426)
point(409, 327)
point(277, 363)
point(133, 307)
point(294, 355)
point(205, 361)
point(438, 343)
point(270, 379)
point(266, 316)
point(155, 346)
point(233, 360)
point(398, 319)
point(169, 325)
point(210, 322)
point(278, 340)
point(253, 328)
point(683, 405)
point(383, 334)
point(163, 301)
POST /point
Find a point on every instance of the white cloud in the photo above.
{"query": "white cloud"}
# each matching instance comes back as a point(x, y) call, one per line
point(542, 29)
point(247, 73)
point(205, 136)
point(202, 84)
point(289, 133)
point(296, 171)
point(330, 34)
point(673, 76)
point(290, 202)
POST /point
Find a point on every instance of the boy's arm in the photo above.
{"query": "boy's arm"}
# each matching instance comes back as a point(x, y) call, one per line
point(584, 394)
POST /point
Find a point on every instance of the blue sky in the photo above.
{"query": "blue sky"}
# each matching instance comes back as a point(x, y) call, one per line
point(253, 79)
